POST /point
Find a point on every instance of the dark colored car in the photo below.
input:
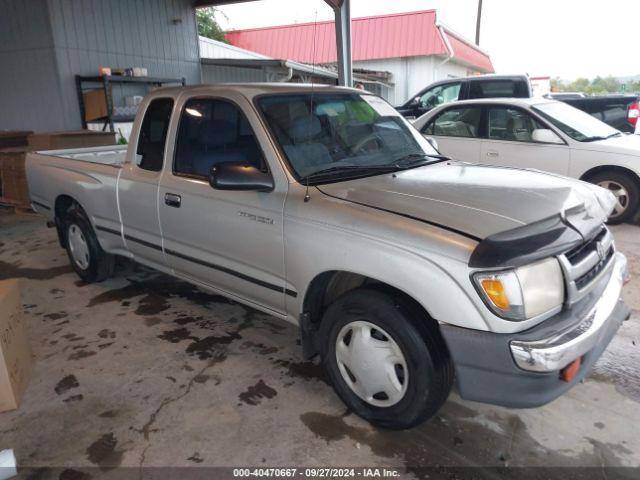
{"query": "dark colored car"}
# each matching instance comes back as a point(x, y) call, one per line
point(466, 88)
point(619, 111)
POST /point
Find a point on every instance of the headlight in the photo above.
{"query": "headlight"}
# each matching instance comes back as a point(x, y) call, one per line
point(525, 292)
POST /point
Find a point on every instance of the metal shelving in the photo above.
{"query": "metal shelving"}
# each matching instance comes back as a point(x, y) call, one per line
point(105, 82)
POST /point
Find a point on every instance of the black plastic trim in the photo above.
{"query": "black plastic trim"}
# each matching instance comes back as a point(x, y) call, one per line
point(143, 243)
point(523, 245)
point(411, 217)
point(235, 273)
point(42, 205)
point(108, 230)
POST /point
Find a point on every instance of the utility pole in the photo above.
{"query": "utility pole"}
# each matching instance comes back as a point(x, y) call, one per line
point(478, 18)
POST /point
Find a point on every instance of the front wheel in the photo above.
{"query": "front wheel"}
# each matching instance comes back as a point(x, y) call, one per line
point(626, 191)
point(385, 360)
point(88, 259)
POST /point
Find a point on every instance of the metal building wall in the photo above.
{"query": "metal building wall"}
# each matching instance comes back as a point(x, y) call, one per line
point(83, 35)
point(28, 85)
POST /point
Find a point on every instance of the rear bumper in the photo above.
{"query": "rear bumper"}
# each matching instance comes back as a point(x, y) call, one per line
point(523, 369)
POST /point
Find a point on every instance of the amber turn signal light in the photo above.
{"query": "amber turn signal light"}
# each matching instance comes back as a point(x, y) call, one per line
point(496, 293)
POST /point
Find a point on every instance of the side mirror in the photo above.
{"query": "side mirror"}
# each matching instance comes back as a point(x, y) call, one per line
point(432, 141)
point(239, 176)
point(544, 135)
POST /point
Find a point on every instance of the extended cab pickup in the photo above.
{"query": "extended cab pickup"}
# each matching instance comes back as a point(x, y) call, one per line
point(405, 270)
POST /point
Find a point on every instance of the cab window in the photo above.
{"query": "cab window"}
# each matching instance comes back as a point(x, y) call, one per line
point(440, 94)
point(456, 122)
point(153, 134)
point(511, 124)
point(212, 131)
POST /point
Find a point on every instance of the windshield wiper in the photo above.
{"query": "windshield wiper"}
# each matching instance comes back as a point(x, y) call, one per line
point(595, 138)
point(347, 168)
point(403, 163)
point(418, 159)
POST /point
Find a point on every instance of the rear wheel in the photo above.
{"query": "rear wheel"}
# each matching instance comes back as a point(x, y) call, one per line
point(386, 361)
point(88, 259)
point(626, 191)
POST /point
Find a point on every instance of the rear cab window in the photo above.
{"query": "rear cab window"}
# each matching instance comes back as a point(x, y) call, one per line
point(498, 89)
point(153, 134)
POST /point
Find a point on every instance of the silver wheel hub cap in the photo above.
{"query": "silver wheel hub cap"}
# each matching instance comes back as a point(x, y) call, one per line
point(621, 194)
point(372, 364)
point(78, 246)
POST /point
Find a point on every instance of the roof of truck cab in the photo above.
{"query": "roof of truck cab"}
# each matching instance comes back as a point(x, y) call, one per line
point(256, 88)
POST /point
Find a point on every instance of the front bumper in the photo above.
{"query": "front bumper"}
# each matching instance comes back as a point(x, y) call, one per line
point(523, 369)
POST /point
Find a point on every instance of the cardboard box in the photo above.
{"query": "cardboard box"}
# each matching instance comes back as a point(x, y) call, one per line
point(13, 178)
point(95, 104)
point(73, 139)
point(15, 352)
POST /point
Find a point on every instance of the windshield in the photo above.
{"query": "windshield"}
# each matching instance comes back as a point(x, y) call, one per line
point(577, 124)
point(341, 134)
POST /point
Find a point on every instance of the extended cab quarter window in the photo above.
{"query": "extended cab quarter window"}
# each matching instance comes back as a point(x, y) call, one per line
point(456, 122)
point(213, 131)
point(153, 134)
point(511, 124)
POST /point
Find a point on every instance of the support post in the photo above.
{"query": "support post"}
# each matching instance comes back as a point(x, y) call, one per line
point(342, 12)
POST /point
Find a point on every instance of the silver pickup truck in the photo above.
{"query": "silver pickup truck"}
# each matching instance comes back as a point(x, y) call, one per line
point(406, 271)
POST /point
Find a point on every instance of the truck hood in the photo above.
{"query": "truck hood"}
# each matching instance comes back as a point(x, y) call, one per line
point(624, 144)
point(478, 200)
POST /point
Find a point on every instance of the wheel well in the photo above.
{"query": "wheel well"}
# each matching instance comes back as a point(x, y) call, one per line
point(610, 168)
point(325, 288)
point(61, 206)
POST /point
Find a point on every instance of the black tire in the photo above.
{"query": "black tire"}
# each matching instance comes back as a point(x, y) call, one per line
point(430, 370)
point(629, 183)
point(100, 264)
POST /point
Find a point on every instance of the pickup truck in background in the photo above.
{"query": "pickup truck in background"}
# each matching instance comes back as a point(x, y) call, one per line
point(324, 207)
point(619, 111)
point(466, 88)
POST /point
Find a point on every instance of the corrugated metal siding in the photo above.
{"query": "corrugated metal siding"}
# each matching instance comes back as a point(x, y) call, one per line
point(28, 87)
point(214, 49)
point(385, 36)
point(224, 74)
point(159, 35)
point(469, 54)
point(68, 37)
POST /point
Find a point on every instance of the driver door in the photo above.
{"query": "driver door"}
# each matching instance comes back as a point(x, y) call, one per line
point(231, 241)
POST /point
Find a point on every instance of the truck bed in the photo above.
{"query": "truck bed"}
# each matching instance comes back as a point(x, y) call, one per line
point(108, 155)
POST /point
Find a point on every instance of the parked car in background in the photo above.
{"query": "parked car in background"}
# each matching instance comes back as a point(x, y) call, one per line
point(619, 111)
point(325, 208)
point(543, 134)
point(452, 89)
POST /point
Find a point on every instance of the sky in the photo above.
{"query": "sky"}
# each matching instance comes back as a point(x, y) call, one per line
point(559, 38)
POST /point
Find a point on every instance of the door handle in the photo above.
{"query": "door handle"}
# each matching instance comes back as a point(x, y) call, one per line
point(492, 153)
point(172, 200)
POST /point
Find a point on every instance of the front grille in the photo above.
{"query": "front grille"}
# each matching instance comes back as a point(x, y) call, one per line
point(582, 251)
point(586, 279)
point(584, 264)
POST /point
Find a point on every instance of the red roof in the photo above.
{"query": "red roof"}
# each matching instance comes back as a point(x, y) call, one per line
point(386, 36)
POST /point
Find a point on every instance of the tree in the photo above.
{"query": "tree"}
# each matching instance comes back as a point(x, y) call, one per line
point(208, 25)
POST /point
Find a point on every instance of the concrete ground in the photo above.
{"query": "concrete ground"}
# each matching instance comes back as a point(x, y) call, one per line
point(144, 370)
